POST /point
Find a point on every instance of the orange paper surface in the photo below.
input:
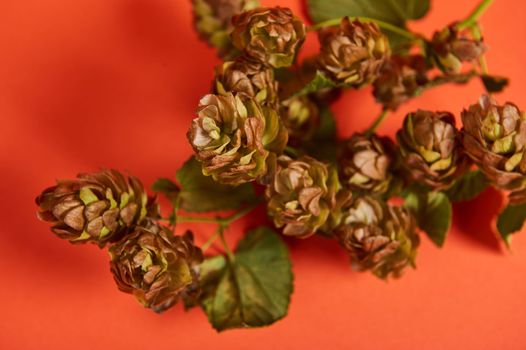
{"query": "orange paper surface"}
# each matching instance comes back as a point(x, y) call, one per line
point(86, 84)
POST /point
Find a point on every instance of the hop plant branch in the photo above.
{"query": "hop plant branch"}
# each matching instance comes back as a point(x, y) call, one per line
point(473, 18)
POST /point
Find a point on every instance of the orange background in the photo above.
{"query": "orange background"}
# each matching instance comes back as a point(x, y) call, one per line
point(86, 84)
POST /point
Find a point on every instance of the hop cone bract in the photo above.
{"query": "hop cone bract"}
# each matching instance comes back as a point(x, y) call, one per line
point(98, 207)
point(494, 137)
point(156, 267)
point(269, 35)
point(378, 237)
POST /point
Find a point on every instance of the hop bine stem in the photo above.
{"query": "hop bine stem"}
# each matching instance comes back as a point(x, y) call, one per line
point(377, 122)
point(472, 19)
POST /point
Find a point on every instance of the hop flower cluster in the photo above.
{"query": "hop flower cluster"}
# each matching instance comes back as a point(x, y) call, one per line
point(110, 209)
point(267, 120)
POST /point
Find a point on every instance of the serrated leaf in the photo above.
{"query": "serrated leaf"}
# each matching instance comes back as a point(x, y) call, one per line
point(494, 84)
point(433, 214)
point(319, 82)
point(200, 193)
point(510, 221)
point(323, 145)
point(396, 12)
point(254, 289)
point(469, 186)
point(166, 187)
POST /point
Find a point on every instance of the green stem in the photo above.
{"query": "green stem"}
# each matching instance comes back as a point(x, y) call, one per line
point(183, 219)
point(229, 253)
point(472, 19)
point(477, 34)
point(384, 25)
point(377, 122)
point(210, 240)
point(291, 151)
point(220, 221)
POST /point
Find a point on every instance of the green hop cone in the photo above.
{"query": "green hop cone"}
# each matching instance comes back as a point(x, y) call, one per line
point(233, 138)
point(401, 78)
point(301, 195)
point(271, 36)
point(353, 53)
point(378, 237)
point(430, 149)
point(301, 117)
point(494, 137)
point(250, 78)
point(366, 164)
point(213, 20)
point(450, 47)
point(99, 207)
point(156, 267)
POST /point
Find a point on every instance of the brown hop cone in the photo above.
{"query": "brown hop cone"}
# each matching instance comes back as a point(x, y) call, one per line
point(98, 207)
point(353, 53)
point(156, 267)
point(301, 195)
point(233, 137)
point(378, 237)
point(366, 163)
point(301, 118)
point(250, 78)
point(494, 137)
point(269, 35)
point(450, 47)
point(213, 20)
point(401, 78)
point(430, 149)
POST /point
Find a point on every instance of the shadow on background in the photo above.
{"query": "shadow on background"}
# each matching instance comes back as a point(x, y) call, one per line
point(474, 220)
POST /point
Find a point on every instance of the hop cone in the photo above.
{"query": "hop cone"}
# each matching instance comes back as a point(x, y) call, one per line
point(156, 267)
point(232, 138)
point(213, 20)
point(430, 149)
point(494, 137)
point(450, 47)
point(366, 164)
point(378, 237)
point(250, 78)
point(401, 78)
point(98, 208)
point(269, 35)
point(301, 195)
point(353, 53)
point(301, 118)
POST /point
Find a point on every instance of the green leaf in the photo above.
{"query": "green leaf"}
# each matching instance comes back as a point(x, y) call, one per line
point(323, 145)
point(319, 82)
point(396, 12)
point(510, 221)
point(494, 83)
point(166, 187)
point(433, 214)
point(254, 289)
point(469, 186)
point(201, 193)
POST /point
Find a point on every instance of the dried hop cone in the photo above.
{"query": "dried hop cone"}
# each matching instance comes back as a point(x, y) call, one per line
point(156, 267)
point(401, 78)
point(450, 47)
point(250, 78)
point(98, 208)
point(269, 35)
point(494, 137)
point(366, 163)
point(378, 237)
point(233, 137)
point(353, 53)
point(301, 118)
point(301, 195)
point(213, 19)
point(430, 148)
